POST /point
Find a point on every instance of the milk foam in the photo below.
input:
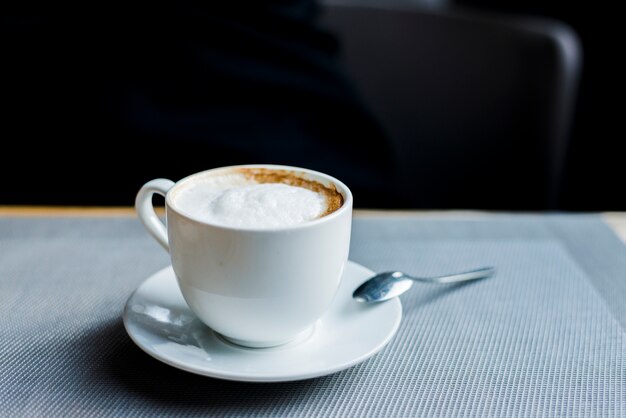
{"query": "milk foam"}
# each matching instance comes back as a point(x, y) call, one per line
point(235, 200)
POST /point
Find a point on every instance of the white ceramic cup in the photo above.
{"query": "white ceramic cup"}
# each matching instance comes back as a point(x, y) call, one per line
point(256, 287)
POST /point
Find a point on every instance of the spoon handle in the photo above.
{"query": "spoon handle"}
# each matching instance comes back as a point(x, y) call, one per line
point(481, 273)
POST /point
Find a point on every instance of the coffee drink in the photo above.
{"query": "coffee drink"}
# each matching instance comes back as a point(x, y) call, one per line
point(256, 198)
point(258, 250)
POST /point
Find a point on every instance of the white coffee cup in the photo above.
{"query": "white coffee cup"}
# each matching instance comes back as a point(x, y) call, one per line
point(256, 287)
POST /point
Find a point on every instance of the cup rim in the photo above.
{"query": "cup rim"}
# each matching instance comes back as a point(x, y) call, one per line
point(343, 189)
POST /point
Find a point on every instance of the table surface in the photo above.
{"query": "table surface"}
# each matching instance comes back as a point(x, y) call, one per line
point(547, 338)
point(616, 220)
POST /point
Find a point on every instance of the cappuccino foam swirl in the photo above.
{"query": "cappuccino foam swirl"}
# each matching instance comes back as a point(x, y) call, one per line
point(241, 199)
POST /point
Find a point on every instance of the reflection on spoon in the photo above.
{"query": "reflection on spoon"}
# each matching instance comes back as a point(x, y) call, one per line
point(390, 284)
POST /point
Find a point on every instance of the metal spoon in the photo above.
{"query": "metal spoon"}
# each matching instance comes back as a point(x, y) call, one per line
point(390, 284)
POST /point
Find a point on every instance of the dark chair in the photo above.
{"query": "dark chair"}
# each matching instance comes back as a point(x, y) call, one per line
point(478, 106)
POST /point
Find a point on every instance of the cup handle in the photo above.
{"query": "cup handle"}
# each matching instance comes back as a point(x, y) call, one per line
point(145, 209)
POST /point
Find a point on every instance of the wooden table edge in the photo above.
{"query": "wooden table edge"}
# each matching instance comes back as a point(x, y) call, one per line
point(616, 220)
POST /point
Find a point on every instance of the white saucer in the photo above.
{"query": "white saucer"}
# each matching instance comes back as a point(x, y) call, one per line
point(159, 321)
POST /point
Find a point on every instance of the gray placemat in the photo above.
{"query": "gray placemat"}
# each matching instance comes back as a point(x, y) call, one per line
point(544, 338)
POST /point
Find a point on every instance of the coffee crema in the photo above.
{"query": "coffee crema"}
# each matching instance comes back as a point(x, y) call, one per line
point(256, 198)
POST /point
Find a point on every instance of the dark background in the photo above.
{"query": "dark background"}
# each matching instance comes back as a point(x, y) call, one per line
point(594, 175)
point(95, 106)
